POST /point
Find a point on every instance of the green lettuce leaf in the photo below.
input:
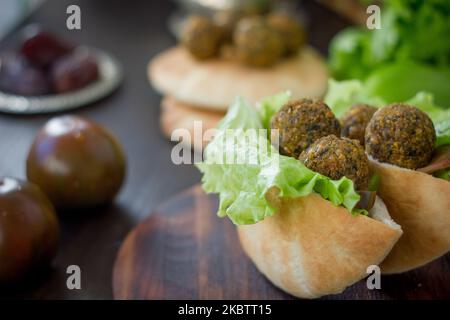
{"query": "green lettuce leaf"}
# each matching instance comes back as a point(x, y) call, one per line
point(443, 174)
point(442, 127)
point(401, 80)
point(347, 54)
point(241, 116)
point(412, 31)
point(242, 184)
point(341, 95)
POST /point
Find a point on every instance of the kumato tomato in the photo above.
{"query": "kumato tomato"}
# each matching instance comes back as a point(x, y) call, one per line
point(29, 229)
point(77, 163)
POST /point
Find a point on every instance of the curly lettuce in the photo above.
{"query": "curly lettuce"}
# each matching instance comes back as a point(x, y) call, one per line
point(410, 52)
point(242, 185)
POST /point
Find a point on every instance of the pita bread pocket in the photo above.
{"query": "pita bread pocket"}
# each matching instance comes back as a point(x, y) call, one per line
point(420, 203)
point(317, 248)
point(401, 140)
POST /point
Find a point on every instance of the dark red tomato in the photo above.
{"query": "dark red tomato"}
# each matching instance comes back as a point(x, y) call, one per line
point(76, 162)
point(42, 48)
point(29, 229)
point(74, 71)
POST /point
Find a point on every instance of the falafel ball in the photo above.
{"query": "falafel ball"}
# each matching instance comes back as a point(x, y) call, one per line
point(300, 123)
point(355, 121)
point(256, 43)
point(201, 37)
point(402, 135)
point(338, 157)
point(226, 21)
point(290, 30)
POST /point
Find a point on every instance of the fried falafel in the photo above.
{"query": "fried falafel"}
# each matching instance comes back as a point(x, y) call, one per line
point(226, 21)
point(201, 37)
point(299, 123)
point(290, 30)
point(401, 135)
point(355, 121)
point(338, 157)
point(256, 44)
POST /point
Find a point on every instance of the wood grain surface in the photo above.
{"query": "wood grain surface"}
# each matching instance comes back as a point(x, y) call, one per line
point(184, 251)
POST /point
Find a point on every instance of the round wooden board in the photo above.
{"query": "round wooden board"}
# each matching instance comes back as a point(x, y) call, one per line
point(184, 251)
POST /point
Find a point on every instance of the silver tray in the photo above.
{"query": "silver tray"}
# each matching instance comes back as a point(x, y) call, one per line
point(109, 79)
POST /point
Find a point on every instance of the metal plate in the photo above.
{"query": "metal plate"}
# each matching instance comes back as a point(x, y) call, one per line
point(109, 79)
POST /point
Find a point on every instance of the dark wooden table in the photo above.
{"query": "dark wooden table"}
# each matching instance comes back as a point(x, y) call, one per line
point(133, 31)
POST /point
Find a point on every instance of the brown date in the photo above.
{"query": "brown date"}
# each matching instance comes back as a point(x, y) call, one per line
point(19, 77)
point(43, 48)
point(74, 71)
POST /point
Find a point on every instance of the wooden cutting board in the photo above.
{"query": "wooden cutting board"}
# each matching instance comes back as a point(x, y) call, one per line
point(184, 251)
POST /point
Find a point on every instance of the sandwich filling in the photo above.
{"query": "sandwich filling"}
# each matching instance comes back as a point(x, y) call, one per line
point(242, 185)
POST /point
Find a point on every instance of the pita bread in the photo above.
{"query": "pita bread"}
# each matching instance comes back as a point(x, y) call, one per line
point(311, 248)
point(178, 115)
point(215, 83)
point(420, 203)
